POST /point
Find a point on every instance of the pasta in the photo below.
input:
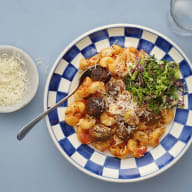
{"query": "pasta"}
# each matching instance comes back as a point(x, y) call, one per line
point(137, 150)
point(167, 115)
point(120, 150)
point(90, 62)
point(155, 135)
point(107, 120)
point(106, 115)
point(102, 145)
point(117, 49)
point(142, 137)
point(96, 87)
point(87, 122)
point(106, 62)
point(131, 118)
point(74, 112)
point(106, 52)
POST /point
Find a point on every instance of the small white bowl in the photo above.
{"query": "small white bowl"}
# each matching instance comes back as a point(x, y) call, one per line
point(32, 76)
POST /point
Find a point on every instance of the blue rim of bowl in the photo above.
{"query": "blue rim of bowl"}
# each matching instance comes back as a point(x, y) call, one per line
point(50, 128)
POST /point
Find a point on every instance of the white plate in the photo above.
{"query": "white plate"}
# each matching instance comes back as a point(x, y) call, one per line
point(87, 159)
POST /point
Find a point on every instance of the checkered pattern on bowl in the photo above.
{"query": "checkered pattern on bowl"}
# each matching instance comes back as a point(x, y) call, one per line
point(86, 158)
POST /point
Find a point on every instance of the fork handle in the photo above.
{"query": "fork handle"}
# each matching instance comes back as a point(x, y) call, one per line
point(30, 125)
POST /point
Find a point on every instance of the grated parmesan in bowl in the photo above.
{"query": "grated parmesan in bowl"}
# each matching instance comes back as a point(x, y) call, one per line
point(19, 79)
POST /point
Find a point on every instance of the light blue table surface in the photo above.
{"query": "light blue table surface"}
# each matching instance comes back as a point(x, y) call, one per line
point(43, 29)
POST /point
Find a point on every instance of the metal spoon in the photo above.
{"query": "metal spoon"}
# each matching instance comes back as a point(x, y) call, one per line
point(30, 125)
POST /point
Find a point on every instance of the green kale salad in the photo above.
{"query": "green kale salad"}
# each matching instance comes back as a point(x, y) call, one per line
point(156, 84)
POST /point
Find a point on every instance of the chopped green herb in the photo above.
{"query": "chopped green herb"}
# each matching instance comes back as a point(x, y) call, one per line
point(155, 84)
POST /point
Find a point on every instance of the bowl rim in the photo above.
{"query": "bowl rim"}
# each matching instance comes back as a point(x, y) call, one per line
point(32, 63)
point(116, 180)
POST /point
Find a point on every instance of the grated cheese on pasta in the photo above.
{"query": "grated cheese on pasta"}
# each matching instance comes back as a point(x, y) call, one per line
point(12, 79)
point(120, 104)
point(117, 140)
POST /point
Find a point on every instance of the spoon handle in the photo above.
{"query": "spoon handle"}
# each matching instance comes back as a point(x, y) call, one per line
point(30, 125)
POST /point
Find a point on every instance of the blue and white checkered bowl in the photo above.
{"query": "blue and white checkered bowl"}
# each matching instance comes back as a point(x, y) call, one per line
point(62, 78)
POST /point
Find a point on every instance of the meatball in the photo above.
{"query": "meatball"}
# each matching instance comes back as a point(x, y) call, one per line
point(100, 132)
point(124, 131)
point(115, 86)
point(99, 73)
point(95, 106)
point(150, 118)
